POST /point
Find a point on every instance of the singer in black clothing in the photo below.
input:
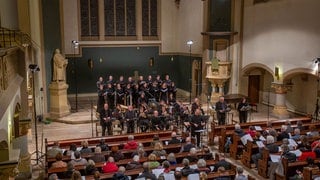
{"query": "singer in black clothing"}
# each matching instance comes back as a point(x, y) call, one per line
point(243, 110)
point(105, 119)
point(197, 124)
point(130, 117)
point(221, 109)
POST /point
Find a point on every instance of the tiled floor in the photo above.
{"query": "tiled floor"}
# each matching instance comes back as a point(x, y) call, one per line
point(72, 129)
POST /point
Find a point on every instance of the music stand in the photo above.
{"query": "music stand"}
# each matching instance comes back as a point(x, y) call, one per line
point(201, 131)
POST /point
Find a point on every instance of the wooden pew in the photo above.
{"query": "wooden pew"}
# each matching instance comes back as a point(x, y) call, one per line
point(246, 154)
point(263, 163)
point(308, 172)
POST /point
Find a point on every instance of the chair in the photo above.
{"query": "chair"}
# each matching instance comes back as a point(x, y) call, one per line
point(98, 128)
point(116, 129)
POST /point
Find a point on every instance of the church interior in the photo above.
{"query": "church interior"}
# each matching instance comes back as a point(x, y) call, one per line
point(53, 53)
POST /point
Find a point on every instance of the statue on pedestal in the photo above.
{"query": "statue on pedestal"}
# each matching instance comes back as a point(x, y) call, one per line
point(59, 66)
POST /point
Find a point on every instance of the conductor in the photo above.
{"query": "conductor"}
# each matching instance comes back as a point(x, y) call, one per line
point(105, 119)
point(197, 124)
point(222, 109)
point(243, 108)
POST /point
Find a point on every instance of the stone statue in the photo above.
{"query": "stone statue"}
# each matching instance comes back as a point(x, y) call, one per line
point(59, 66)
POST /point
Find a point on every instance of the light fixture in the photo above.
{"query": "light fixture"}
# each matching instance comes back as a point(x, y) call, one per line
point(276, 72)
point(151, 62)
point(189, 42)
point(316, 60)
point(34, 67)
point(75, 43)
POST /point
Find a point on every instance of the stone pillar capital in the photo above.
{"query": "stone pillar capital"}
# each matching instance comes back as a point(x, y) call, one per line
point(281, 88)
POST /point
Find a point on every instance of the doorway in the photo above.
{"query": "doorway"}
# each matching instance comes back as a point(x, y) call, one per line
point(254, 88)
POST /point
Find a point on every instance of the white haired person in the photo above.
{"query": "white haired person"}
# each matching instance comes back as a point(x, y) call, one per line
point(270, 145)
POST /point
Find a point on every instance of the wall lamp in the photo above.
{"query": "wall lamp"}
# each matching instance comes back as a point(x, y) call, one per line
point(276, 72)
point(151, 61)
point(75, 43)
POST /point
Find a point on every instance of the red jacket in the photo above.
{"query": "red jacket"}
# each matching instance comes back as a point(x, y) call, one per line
point(131, 145)
point(109, 167)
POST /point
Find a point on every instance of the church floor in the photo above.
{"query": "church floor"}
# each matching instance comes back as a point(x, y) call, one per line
point(57, 131)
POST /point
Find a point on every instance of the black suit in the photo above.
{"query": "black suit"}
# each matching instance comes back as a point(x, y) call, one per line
point(243, 113)
point(221, 108)
point(129, 116)
point(106, 123)
point(196, 121)
point(174, 140)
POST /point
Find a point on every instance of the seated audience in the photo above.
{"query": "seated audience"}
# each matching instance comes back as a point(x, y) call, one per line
point(172, 159)
point(300, 125)
point(76, 175)
point(296, 134)
point(315, 146)
point(207, 153)
point(52, 152)
point(202, 166)
point(287, 154)
point(140, 152)
point(135, 163)
point(240, 175)
point(192, 156)
point(283, 133)
point(120, 175)
point(131, 144)
point(70, 152)
point(98, 156)
point(85, 149)
point(174, 139)
point(53, 176)
point(313, 131)
point(203, 176)
point(238, 130)
point(59, 163)
point(270, 145)
point(156, 139)
point(103, 145)
point(152, 161)
point(304, 144)
point(70, 169)
point(91, 167)
point(251, 131)
point(188, 145)
point(110, 166)
point(158, 150)
point(78, 161)
point(96, 175)
point(186, 170)
point(116, 153)
point(289, 128)
point(222, 163)
point(146, 172)
point(177, 175)
point(221, 170)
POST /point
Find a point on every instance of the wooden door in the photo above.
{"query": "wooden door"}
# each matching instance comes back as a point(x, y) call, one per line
point(254, 88)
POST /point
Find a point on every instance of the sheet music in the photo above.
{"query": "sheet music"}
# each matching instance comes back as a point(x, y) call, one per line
point(275, 158)
point(258, 128)
point(262, 138)
point(157, 172)
point(246, 138)
point(297, 152)
point(260, 144)
point(194, 166)
point(292, 143)
point(178, 168)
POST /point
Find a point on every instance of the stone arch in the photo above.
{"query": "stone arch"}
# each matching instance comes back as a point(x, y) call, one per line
point(293, 72)
point(248, 68)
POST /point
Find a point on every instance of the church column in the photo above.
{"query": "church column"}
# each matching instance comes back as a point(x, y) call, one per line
point(101, 19)
point(280, 108)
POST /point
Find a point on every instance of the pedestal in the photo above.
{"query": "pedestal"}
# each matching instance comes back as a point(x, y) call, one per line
point(58, 99)
point(280, 109)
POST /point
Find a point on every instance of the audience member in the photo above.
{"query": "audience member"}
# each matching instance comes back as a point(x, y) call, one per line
point(131, 144)
point(222, 163)
point(177, 175)
point(207, 153)
point(116, 153)
point(202, 166)
point(70, 152)
point(156, 139)
point(91, 167)
point(296, 134)
point(283, 133)
point(76, 175)
point(85, 149)
point(186, 170)
point(53, 176)
point(270, 145)
point(300, 125)
point(289, 128)
point(103, 145)
point(251, 131)
point(158, 150)
point(152, 161)
point(78, 161)
point(110, 166)
point(120, 174)
point(192, 156)
point(96, 175)
point(140, 152)
point(174, 139)
point(98, 156)
point(52, 152)
point(240, 175)
point(172, 159)
point(287, 154)
point(135, 163)
point(203, 176)
point(146, 172)
point(304, 145)
point(59, 163)
point(313, 131)
point(69, 172)
point(238, 130)
point(187, 146)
